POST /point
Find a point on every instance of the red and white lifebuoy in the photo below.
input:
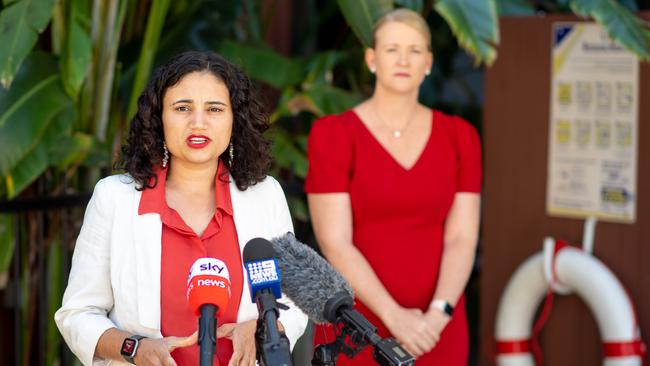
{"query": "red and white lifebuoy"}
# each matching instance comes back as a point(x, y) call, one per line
point(571, 269)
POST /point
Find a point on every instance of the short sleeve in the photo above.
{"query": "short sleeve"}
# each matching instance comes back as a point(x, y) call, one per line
point(330, 154)
point(469, 175)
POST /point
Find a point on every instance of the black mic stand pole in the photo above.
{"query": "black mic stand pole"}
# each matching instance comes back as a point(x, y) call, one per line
point(272, 347)
point(207, 334)
point(326, 354)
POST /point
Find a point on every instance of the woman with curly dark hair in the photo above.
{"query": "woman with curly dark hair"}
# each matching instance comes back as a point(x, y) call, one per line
point(196, 186)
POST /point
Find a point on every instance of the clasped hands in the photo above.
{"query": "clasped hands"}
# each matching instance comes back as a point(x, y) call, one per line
point(417, 331)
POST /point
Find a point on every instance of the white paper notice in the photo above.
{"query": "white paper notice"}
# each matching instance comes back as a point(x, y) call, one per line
point(592, 161)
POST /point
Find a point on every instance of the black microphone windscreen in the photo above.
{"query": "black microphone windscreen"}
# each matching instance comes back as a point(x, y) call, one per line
point(307, 278)
point(258, 249)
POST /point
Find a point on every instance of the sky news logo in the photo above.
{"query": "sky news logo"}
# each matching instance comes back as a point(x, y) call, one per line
point(262, 271)
point(208, 266)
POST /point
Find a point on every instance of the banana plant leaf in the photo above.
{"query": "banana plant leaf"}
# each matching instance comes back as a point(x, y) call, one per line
point(26, 171)
point(329, 99)
point(475, 25)
point(20, 24)
point(264, 64)
point(515, 7)
point(318, 99)
point(76, 54)
point(631, 5)
point(7, 242)
point(319, 67)
point(38, 67)
point(361, 15)
point(286, 154)
point(621, 24)
point(298, 207)
point(54, 296)
point(32, 165)
point(78, 149)
point(155, 22)
point(415, 5)
point(29, 108)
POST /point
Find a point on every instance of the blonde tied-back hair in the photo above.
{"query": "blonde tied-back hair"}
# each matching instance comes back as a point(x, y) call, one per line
point(404, 16)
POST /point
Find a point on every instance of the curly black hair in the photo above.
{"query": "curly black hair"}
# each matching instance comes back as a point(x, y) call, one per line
point(144, 146)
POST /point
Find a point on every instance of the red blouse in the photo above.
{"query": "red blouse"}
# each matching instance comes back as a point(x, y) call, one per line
point(181, 246)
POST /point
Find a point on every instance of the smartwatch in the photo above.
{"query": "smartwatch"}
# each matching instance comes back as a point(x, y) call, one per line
point(130, 347)
point(444, 306)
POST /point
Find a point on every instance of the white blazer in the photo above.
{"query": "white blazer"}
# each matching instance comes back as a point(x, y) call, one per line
point(115, 274)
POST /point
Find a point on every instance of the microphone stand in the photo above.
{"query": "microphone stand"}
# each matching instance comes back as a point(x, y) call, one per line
point(272, 347)
point(326, 354)
point(207, 334)
point(350, 325)
point(387, 352)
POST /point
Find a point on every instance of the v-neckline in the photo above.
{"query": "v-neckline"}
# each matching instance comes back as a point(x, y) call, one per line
point(385, 150)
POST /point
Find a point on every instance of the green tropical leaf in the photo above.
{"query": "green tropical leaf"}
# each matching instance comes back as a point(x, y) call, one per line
point(79, 148)
point(7, 242)
point(330, 100)
point(54, 288)
point(319, 67)
point(286, 154)
point(39, 67)
point(149, 48)
point(631, 5)
point(298, 208)
point(110, 30)
point(57, 147)
point(76, 54)
point(361, 16)
point(621, 24)
point(20, 24)
point(415, 5)
point(27, 170)
point(38, 159)
point(285, 107)
point(264, 64)
point(475, 24)
point(515, 7)
point(318, 99)
point(28, 109)
point(253, 20)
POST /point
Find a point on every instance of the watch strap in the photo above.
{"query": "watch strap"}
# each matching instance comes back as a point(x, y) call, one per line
point(444, 306)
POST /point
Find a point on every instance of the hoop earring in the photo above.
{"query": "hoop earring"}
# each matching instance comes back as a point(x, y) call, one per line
point(231, 152)
point(165, 158)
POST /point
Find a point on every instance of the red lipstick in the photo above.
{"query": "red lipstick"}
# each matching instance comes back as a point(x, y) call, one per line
point(197, 141)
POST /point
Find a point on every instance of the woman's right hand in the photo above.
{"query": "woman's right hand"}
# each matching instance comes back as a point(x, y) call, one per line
point(410, 329)
point(156, 352)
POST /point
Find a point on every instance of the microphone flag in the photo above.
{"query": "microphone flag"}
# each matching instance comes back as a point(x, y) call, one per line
point(208, 283)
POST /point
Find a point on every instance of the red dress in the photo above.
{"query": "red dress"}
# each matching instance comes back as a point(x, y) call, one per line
point(398, 214)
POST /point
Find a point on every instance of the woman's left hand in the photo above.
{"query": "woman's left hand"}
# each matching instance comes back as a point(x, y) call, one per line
point(243, 342)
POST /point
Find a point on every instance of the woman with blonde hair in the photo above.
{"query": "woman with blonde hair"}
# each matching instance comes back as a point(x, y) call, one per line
point(394, 195)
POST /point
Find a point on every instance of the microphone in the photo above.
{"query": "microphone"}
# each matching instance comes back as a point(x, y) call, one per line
point(325, 296)
point(309, 280)
point(208, 292)
point(264, 281)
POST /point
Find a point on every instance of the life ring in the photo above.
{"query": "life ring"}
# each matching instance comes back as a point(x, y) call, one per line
point(593, 282)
